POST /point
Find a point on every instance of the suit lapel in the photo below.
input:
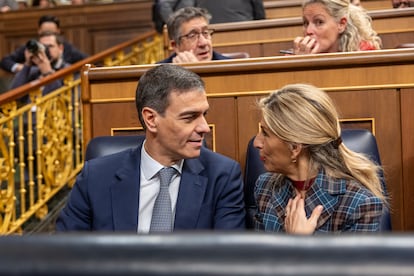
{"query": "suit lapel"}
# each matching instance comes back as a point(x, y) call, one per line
point(190, 195)
point(125, 193)
point(282, 194)
point(324, 193)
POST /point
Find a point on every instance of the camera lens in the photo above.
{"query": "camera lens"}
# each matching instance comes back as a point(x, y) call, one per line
point(32, 46)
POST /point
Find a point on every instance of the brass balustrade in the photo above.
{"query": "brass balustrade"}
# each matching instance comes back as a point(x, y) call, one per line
point(41, 143)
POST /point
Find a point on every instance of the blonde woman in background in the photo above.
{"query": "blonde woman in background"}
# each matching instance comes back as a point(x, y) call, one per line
point(314, 182)
point(335, 26)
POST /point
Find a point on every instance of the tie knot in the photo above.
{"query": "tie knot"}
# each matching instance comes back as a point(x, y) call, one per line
point(165, 175)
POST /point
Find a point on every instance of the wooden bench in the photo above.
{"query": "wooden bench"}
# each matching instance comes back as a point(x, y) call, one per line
point(262, 38)
point(373, 90)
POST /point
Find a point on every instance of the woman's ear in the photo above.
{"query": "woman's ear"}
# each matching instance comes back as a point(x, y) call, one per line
point(296, 150)
point(342, 25)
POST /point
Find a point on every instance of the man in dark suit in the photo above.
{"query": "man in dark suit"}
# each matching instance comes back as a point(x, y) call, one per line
point(118, 192)
point(190, 36)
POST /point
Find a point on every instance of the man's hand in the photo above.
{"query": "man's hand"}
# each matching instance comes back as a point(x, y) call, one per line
point(5, 9)
point(296, 221)
point(42, 62)
point(185, 57)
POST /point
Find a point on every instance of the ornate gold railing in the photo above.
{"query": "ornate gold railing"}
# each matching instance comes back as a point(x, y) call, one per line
point(41, 149)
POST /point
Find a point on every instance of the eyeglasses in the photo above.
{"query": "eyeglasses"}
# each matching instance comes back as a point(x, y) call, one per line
point(193, 36)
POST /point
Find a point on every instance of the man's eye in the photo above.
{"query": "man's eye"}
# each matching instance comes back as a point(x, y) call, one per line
point(189, 118)
point(191, 35)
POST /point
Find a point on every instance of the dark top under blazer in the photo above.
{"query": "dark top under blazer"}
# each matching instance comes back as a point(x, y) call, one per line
point(105, 196)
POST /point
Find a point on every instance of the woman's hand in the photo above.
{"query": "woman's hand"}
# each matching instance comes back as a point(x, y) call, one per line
point(305, 45)
point(296, 221)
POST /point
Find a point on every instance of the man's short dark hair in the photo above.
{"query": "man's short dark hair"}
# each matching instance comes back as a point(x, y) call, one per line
point(59, 38)
point(155, 86)
point(49, 18)
point(184, 15)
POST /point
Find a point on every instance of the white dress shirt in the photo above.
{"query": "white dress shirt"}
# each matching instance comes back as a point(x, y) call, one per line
point(150, 187)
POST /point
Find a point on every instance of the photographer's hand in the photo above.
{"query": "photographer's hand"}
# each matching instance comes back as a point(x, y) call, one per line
point(42, 61)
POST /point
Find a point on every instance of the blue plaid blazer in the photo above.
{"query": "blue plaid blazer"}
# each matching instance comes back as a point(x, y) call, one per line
point(347, 205)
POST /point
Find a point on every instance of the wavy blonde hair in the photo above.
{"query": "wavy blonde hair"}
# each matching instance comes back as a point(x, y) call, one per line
point(359, 27)
point(304, 114)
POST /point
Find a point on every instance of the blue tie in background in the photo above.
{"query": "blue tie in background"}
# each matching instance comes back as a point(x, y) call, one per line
point(162, 213)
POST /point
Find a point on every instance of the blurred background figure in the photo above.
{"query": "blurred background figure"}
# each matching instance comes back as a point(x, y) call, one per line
point(13, 63)
point(22, 4)
point(234, 10)
point(8, 5)
point(398, 4)
point(78, 2)
point(356, 3)
point(167, 7)
point(162, 9)
point(42, 58)
point(42, 4)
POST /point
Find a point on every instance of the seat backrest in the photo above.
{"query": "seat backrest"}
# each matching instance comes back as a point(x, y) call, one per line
point(105, 145)
point(358, 140)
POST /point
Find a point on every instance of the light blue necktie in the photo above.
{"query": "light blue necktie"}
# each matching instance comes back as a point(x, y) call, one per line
point(162, 213)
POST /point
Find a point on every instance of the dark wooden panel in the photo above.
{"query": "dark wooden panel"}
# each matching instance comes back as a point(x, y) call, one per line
point(108, 116)
point(407, 125)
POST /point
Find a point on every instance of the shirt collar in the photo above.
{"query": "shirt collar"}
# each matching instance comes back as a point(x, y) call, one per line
point(150, 167)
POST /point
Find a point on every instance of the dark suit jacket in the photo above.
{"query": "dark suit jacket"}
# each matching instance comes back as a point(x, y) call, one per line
point(105, 196)
point(216, 56)
point(233, 11)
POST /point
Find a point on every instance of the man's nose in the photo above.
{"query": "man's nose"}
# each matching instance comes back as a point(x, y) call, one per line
point(202, 40)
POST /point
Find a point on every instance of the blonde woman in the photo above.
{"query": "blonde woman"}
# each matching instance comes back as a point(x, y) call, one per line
point(314, 182)
point(335, 26)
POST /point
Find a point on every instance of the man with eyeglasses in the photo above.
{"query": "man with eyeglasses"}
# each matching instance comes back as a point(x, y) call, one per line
point(190, 36)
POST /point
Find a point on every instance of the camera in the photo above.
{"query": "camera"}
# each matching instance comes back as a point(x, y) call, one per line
point(34, 47)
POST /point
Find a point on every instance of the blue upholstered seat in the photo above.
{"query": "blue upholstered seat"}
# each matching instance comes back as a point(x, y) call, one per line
point(104, 145)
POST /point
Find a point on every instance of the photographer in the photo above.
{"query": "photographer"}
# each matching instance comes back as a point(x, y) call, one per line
point(13, 62)
point(42, 58)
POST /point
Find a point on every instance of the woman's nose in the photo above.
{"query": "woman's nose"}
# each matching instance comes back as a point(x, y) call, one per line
point(257, 142)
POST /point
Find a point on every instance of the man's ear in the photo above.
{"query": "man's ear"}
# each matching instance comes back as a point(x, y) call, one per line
point(173, 45)
point(342, 24)
point(150, 118)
